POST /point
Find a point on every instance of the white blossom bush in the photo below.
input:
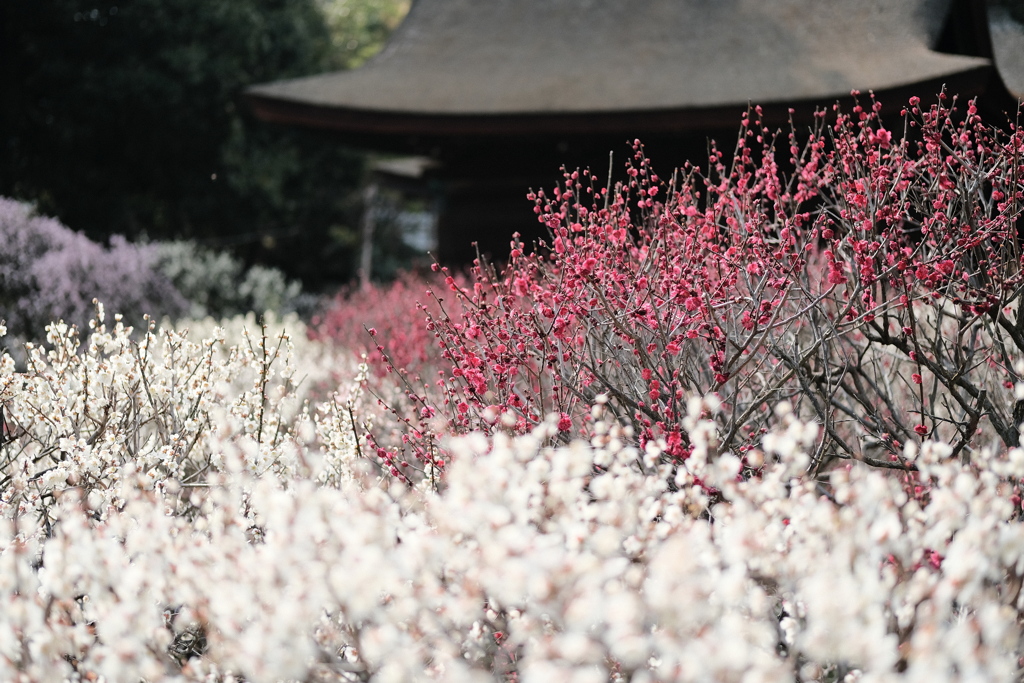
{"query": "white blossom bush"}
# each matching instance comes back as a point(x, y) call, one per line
point(215, 283)
point(171, 510)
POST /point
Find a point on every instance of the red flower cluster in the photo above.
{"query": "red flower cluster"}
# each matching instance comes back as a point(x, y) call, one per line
point(871, 280)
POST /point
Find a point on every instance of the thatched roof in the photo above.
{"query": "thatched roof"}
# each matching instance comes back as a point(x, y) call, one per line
point(491, 64)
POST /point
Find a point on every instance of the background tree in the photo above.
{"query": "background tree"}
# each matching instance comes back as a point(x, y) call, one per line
point(124, 118)
point(358, 28)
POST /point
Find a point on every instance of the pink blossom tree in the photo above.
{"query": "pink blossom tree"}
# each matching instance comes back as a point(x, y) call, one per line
point(868, 276)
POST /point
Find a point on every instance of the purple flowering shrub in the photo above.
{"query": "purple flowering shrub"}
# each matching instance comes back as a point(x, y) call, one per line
point(49, 272)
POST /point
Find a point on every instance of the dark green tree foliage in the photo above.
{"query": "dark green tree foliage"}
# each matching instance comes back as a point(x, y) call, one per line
point(125, 118)
point(360, 27)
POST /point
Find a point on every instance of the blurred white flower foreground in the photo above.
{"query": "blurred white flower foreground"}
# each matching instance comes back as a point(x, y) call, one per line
point(173, 511)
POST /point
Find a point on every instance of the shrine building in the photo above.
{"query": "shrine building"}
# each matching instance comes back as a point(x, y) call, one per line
point(493, 96)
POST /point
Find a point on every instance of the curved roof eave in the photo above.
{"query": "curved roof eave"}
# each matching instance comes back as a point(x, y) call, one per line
point(668, 120)
point(464, 67)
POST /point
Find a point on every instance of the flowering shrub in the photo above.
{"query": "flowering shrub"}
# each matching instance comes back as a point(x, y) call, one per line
point(173, 509)
point(161, 519)
point(871, 279)
point(389, 315)
point(385, 323)
point(219, 285)
point(49, 272)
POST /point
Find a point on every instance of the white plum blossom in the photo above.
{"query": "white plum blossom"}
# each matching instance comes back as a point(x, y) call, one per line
point(178, 510)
